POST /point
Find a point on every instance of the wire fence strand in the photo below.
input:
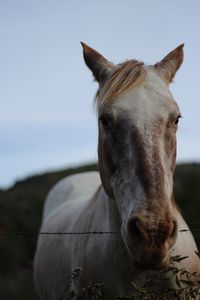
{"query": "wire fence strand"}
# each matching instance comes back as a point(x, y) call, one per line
point(19, 233)
point(95, 232)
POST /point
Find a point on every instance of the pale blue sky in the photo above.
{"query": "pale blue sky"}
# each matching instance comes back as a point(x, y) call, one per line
point(47, 119)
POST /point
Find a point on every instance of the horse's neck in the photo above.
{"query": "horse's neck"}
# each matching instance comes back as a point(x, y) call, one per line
point(108, 209)
point(185, 246)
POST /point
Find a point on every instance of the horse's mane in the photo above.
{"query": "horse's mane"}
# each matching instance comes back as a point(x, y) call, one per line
point(124, 76)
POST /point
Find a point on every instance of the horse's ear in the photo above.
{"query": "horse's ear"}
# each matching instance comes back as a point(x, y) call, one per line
point(98, 64)
point(168, 66)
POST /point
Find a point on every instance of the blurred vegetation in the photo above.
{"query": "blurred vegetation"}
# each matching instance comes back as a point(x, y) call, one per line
point(21, 210)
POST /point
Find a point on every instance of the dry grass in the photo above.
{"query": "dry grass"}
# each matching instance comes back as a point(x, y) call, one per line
point(186, 287)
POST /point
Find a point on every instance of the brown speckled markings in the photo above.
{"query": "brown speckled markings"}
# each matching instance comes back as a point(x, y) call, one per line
point(137, 120)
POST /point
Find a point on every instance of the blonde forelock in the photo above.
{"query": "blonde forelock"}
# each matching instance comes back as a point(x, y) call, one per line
point(125, 76)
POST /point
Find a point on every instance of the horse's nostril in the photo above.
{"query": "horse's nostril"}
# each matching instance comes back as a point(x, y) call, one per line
point(174, 229)
point(134, 227)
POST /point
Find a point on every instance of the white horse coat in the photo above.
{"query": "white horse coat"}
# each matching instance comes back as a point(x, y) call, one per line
point(133, 201)
point(71, 207)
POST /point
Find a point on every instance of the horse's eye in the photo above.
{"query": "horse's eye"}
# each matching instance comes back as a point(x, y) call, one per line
point(177, 119)
point(105, 120)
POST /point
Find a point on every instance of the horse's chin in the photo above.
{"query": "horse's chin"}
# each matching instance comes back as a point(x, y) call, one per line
point(142, 263)
point(164, 265)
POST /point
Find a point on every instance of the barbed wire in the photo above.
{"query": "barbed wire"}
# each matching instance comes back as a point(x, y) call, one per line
point(95, 232)
point(18, 233)
point(192, 229)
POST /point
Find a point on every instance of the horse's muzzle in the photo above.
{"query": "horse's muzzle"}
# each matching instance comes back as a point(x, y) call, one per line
point(149, 241)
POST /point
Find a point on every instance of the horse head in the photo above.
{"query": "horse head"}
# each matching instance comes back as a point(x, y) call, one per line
point(138, 119)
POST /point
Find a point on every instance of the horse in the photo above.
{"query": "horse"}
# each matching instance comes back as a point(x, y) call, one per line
point(130, 199)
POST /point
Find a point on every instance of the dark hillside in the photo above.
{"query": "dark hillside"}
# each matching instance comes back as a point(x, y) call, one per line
point(187, 195)
point(21, 209)
point(20, 212)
